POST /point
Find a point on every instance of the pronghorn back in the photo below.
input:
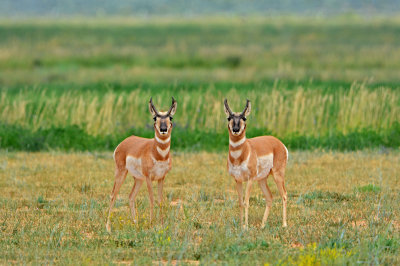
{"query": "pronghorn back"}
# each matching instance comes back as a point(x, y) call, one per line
point(130, 146)
point(266, 145)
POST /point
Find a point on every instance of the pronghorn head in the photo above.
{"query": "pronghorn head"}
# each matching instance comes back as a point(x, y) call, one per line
point(237, 121)
point(162, 120)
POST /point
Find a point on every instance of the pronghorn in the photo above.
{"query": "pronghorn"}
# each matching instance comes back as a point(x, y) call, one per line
point(145, 159)
point(254, 160)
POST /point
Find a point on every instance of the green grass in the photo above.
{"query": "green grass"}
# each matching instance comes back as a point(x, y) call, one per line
point(169, 50)
point(314, 83)
point(305, 118)
point(54, 208)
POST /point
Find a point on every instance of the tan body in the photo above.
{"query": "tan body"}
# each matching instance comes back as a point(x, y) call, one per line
point(145, 160)
point(254, 159)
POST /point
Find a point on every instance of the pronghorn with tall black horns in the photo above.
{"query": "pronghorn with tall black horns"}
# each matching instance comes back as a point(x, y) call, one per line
point(254, 160)
point(145, 159)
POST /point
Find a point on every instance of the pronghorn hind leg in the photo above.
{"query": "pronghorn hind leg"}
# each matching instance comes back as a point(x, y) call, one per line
point(132, 197)
point(120, 176)
point(268, 199)
point(247, 203)
point(279, 177)
point(239, 188)
point(150, 190)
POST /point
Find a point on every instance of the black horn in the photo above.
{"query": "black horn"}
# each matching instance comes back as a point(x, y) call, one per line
point(172, 106)
point(227, 107)
point(153, 107)
point(247, 106)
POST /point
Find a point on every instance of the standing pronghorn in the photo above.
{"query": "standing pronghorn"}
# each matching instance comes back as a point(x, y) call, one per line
point(254, 160)
point(145, 159)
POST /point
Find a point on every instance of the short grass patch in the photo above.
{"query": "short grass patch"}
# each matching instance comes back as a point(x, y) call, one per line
point(54, 208)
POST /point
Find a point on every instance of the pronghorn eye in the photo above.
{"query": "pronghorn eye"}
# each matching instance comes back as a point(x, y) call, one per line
point(170, 118)
point(155, 118)
point(229, 118)
point(244, 118)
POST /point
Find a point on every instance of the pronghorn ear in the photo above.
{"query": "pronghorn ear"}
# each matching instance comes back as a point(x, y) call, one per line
point(247, 109)
point(173, 107)
point(151, 108)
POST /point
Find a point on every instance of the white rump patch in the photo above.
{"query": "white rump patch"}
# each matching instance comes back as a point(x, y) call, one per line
point(160, 169)
point(239, 171)
point(264, 165)
point(134, 166)
point(163, 153)
point(287, 153)
point(162, 141)
point(235, 144)
point(236, 154)
point(115, 151)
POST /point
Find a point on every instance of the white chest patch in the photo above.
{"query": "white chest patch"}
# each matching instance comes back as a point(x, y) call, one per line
point(163, 153)
point(134, 166)
point(239, 171)
point(236, 154)
point(264, 165)
point(159, 169)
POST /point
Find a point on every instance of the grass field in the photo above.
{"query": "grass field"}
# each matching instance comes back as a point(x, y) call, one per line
point(71, 90)
point(343, 208)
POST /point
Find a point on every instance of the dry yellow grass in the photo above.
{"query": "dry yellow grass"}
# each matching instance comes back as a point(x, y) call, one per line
point(343, 207)
point(300, 111)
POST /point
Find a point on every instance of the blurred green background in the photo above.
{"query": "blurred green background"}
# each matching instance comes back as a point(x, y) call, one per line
point(78, 77)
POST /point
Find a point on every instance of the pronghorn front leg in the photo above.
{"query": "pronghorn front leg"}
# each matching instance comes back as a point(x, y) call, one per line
point(239, 188)
point(160, 196)
point(247, 204)
point(132, 197)
point(150, 190)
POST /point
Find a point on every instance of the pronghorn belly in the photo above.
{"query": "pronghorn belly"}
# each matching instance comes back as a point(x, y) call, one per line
point(134, 167)
point(159, 169)
point(264, 166)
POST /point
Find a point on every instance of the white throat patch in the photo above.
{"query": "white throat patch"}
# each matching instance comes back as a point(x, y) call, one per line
point(237, 143)
point(162, 141)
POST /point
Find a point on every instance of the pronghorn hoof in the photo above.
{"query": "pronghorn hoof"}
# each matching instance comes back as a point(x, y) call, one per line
point(108, 228)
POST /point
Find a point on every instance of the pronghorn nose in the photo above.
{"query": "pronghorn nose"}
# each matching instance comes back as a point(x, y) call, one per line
point(163, 128)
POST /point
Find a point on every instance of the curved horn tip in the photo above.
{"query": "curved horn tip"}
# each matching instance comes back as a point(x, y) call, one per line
point(151, 100)
point(173, 99)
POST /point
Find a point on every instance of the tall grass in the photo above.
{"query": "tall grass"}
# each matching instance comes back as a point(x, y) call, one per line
point(277, 110)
